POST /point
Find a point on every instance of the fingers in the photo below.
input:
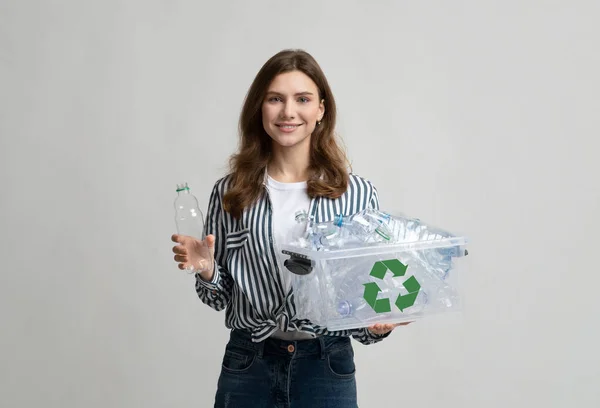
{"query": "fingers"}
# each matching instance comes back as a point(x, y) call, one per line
point(181, 239)
point(180, 250)
point(380, 328)
point(385, 328)
point(180, 258)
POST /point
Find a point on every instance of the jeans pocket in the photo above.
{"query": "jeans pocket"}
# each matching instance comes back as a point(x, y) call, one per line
point(237, 359)
point(341, 362)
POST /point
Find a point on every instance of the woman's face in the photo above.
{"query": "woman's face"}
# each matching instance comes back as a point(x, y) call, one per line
point(291, 109)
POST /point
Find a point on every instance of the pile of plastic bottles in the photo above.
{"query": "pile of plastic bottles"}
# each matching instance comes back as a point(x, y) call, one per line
point(373, 227)
point(365, 228)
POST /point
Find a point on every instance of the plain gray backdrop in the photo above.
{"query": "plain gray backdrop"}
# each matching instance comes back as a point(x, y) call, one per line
point(481, 117)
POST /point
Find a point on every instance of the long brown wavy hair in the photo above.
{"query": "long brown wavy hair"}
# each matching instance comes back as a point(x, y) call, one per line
point(328, 167)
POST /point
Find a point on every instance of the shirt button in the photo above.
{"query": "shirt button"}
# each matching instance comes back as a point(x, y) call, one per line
point(291, 348)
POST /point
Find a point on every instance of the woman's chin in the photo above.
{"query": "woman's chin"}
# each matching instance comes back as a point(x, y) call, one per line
point(291, 141)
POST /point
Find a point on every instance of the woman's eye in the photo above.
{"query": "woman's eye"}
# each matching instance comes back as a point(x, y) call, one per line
point(304, 99)
point(274, 99)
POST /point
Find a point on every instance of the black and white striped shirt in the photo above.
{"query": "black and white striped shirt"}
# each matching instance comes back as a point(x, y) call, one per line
point(247, 280)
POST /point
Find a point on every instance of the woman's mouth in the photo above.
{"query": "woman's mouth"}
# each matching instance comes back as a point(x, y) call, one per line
point(288, 127)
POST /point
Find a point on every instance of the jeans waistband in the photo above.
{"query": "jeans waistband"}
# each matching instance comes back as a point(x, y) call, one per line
point(319, 346)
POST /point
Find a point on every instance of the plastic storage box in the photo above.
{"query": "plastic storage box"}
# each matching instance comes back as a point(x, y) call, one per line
point(383, 283)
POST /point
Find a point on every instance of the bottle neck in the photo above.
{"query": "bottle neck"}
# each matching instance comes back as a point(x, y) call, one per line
point(339, 220)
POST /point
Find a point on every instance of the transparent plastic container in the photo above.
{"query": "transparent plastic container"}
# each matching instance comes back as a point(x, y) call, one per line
point(379, 283)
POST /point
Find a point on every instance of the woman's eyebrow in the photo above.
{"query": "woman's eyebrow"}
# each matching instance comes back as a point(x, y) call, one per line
point(296, 94)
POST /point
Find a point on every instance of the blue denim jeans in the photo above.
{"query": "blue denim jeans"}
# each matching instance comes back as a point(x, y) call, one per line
point(316, 373)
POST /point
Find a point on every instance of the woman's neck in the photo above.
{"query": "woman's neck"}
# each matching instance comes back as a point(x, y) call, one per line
point(289, 165)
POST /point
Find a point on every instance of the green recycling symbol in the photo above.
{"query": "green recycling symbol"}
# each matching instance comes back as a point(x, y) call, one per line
point(398, 269)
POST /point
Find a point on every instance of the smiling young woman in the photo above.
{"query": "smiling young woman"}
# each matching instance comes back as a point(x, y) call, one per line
point(326, 173)
point(289, 168)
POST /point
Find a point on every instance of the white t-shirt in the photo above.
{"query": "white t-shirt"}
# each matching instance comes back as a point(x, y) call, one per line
point(290, 203)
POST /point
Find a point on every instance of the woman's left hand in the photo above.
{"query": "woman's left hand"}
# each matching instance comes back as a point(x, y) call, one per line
point(381, 329)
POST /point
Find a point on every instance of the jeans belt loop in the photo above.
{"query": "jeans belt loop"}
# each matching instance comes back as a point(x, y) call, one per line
point(260, 349)
point(322, 346)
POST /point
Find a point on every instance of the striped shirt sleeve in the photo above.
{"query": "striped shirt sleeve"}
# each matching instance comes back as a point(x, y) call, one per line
point(374, 202)
point(365, 336)
point(217, 292)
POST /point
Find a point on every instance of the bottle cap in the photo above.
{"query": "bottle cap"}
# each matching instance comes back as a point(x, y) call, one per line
point(344, 308)
point(181, 187)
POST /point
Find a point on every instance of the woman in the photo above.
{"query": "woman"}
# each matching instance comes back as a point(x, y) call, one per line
point(289, 168)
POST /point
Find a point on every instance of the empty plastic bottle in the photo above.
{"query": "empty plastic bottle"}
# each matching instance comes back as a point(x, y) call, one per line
point(356, 308)
point(188, 217)
point(326, 235)
point(345, 308)
point(440, 259)
point(363, 227)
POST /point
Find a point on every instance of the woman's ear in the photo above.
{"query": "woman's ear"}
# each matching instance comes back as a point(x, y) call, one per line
point(321, 109)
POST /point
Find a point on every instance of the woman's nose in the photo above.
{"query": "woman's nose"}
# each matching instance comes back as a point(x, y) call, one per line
point(288, 110)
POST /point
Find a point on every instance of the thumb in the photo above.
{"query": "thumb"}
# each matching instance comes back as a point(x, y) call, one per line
point(210, 241)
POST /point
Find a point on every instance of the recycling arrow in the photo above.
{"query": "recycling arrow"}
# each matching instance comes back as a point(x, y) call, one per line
point(398, 269)
point(381, 267)
point(379, 305)
point(413, 287)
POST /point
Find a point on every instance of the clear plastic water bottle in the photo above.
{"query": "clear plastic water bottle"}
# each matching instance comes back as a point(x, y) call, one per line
point(346, 232)
point(326, 235)
point(356, 308)
point(439, 259)
point(346, 308)
point(188, 218)
point(364, 227)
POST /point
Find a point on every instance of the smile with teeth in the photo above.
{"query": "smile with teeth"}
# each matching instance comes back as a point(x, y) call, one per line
point(288, 126)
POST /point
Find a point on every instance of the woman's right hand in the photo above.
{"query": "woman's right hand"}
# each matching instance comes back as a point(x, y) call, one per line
point(195, 255)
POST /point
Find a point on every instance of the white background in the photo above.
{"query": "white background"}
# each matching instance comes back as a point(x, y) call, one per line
point(481, 117)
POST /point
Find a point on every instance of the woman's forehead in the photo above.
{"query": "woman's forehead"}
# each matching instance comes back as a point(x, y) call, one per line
point(294, 82)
